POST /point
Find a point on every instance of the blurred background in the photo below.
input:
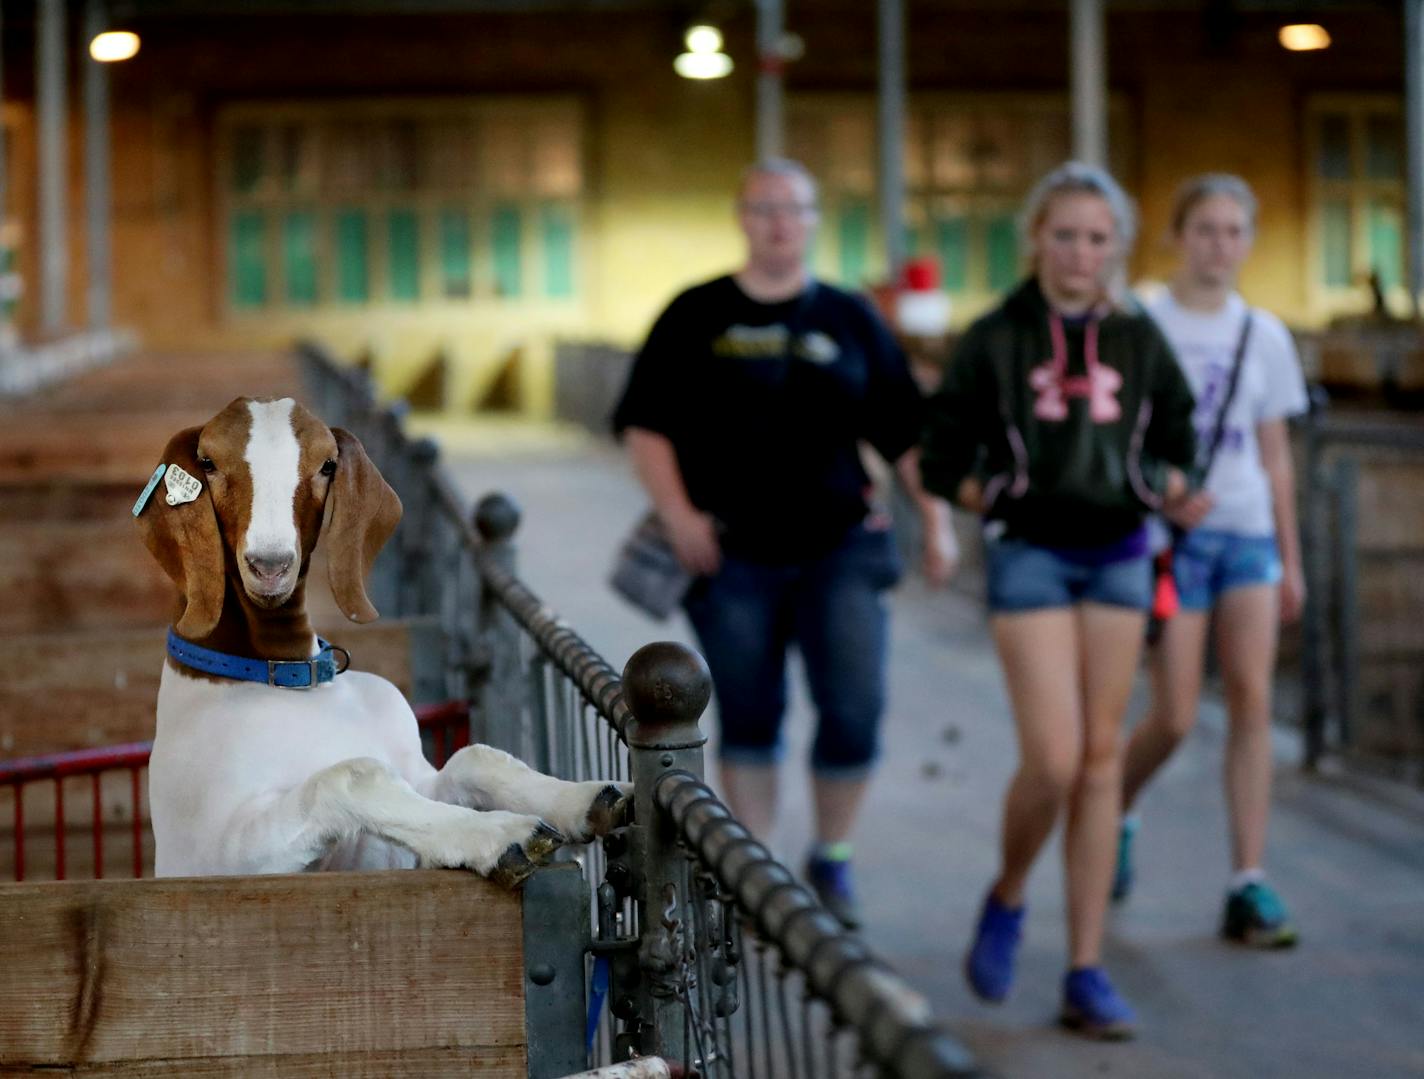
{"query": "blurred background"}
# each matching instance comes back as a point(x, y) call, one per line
point(464, 195)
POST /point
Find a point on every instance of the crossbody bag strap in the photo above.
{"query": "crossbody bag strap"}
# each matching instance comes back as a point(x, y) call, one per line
point(1218, 432)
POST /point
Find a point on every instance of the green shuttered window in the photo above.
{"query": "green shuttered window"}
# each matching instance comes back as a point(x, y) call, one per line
point(952, 246)
point(505, 230)
point(248, 271)
point(456, 277)
point(352, 284)
point(557, 225)
point(403, 256)
point(440, 204)
point(854, 234)
point(1002, 245)
point(299, 258)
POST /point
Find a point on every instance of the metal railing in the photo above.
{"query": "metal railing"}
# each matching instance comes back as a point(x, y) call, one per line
point(704, 949)
point(1362, 642)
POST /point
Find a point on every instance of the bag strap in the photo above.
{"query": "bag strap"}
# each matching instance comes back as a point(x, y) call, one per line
point(1219, 431)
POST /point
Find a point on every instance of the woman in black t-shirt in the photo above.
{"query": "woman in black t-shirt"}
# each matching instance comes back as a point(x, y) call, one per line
point(743, 416)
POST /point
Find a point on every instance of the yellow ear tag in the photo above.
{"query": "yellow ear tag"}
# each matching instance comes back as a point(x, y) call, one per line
point(181, 486)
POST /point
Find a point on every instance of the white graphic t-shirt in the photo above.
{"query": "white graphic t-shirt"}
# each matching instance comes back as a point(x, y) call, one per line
point(1271, 387)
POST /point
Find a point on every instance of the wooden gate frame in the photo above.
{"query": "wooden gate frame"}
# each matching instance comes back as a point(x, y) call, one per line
point(415, 972)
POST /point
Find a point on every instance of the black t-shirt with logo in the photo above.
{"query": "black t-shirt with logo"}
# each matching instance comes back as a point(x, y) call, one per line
point(765, 404)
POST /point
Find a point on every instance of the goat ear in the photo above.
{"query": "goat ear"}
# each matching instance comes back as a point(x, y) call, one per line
point(186, 541)
point(361, 513)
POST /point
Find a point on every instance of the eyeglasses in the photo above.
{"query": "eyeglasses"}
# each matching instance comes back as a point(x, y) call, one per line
point(780, 209)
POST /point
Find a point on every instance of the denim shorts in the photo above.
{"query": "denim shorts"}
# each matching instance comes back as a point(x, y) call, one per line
point(1023, 576)
point(1206, 563)
point(832, 609)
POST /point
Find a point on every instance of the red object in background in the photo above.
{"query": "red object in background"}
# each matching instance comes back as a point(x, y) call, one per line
point(921, 305)
point(920, 275)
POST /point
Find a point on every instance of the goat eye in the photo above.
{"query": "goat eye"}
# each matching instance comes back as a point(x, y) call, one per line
point(328, 467)
point(206, 464)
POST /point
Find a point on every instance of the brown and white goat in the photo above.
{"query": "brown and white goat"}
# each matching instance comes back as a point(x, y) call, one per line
point(248, 777)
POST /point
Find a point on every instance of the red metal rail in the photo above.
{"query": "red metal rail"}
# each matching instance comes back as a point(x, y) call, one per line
point(446, 724)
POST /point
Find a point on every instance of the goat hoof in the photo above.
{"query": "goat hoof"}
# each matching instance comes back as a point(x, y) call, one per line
point(544, 841)
point(519, 860)
point(513, 868)
point(610, 809)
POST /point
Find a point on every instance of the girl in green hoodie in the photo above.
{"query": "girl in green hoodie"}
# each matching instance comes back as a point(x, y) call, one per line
point(1064, 420)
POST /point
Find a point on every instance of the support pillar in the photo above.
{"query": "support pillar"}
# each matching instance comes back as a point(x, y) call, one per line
point(771, 65)
point(97, 193)
point(53, 123)
point(891, 134)
point(1088, 74)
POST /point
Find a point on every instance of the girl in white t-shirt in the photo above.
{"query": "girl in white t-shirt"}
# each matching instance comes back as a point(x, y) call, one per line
point(1240, 554)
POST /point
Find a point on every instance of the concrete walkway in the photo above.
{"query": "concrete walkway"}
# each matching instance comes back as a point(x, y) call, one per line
point(1349, 1001)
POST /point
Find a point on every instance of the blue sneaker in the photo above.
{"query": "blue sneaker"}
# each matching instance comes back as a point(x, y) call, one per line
point(1124, 874)
point(989, 966)
point(1255, 916)
point(1093, 1008)
point(830, 878)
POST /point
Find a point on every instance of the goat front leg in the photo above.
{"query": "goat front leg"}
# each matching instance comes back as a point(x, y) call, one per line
point(364, 795)
point(483, 777)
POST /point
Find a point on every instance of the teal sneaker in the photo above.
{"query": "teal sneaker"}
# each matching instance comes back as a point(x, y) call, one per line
point(1255, 916)
point(1093, 1008)
point(1124, 874)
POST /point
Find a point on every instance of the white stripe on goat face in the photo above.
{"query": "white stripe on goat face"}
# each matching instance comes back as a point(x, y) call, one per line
point(273, 457)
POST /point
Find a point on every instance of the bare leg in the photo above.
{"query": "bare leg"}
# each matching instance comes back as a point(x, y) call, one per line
point(1176, 671)
point(1247, 623)
point(1109, 640)
point(837, 803)
point(1039, 653)
point(751, 791)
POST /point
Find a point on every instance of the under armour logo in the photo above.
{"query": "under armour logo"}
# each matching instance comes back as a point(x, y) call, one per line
point(1099, 386)
point(1054, 386)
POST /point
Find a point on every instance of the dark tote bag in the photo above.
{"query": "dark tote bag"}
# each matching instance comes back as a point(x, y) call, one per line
point(1165, 601)
point(646, 571)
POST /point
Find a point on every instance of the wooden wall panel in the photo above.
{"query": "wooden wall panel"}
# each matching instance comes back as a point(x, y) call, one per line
point(243, 975)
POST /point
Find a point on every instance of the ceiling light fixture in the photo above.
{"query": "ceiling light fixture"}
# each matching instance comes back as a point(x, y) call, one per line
point(704, 58)
point(114, 45)
point(1304, 37)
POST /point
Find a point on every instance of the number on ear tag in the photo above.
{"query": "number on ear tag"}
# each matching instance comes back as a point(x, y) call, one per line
point(181, 486)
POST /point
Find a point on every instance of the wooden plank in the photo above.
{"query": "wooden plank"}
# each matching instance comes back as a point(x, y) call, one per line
point(122, 448)
point(65, 499)
point(111, 424)
point(497, 1063)
point(146, 381)
point(61, 691)
point(220, 968)
point(59, 575)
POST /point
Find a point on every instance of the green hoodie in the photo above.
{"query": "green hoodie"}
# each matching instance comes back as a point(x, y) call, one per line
point(1068, 425)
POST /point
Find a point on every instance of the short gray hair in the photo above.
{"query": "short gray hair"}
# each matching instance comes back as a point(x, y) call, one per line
point(1078, 178)
point(778, 166)
point(1209, 184)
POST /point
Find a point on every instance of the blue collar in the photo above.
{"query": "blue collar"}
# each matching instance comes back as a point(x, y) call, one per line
point(284, 674)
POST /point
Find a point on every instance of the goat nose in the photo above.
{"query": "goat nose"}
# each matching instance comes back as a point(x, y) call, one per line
point(269, 565)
